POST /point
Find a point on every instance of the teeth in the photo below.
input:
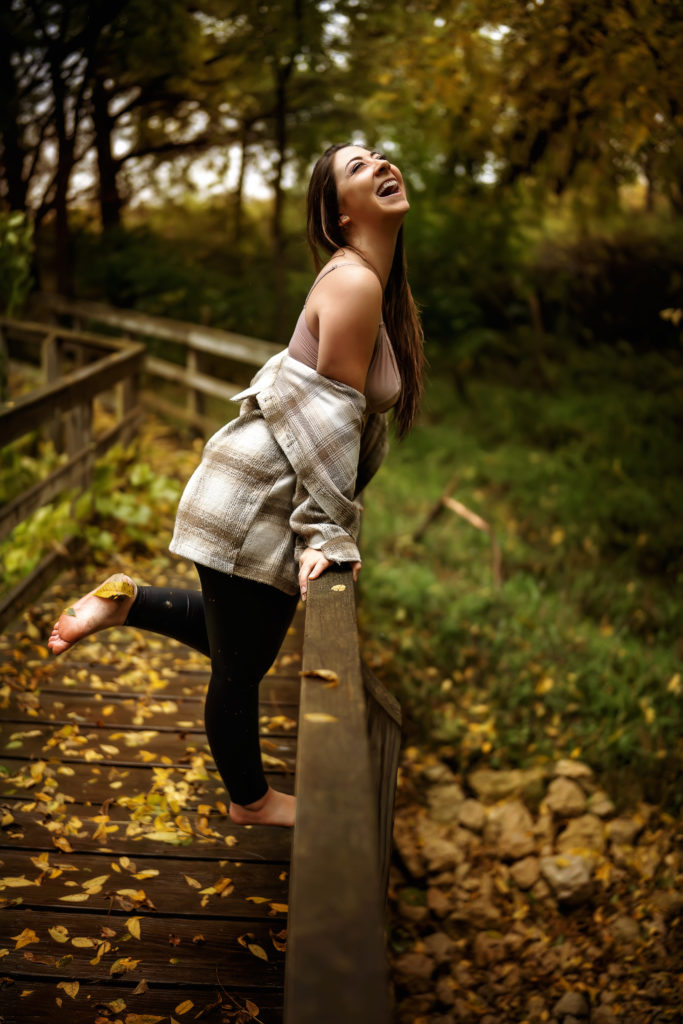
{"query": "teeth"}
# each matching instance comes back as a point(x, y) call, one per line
point(389, 187)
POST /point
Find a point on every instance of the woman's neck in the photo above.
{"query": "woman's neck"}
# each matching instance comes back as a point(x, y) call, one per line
point(376, 248)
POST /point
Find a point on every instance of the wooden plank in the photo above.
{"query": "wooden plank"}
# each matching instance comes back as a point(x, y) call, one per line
point(133, 712)
point(160, 961)
point(253, 351)
point(37, 1000)
point(128, 747)
point(31, 411)
point(254, 890)
point(89, 342)
point(92, 784)
point(176, 413)
point(189, 378)
point(29, 830)
point(336, 967)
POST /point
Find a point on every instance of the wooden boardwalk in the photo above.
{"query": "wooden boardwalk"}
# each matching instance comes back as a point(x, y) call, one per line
point(125, 888)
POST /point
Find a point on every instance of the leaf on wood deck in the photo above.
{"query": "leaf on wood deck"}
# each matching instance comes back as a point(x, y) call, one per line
point(76, 897)
point(15, 882)
point(321, 673)
point(124, 965)
point(24, 938)
point(117, 1005)
point(147, 873)
point(256, 899)
point(70, 987)
point(279, 908)
point(279, 940)
point(141, 987)
point(4, 952)
point(94, 885)
point(320, 717)
point(59, 933)
point(252, 1008)
point(338, 587)
point(193, 882)
point(103, 948)
point(183, 1007)
point(83, 942)
point(256, 950)
point(133, 926)
point(62, 843)
point(142, 1018)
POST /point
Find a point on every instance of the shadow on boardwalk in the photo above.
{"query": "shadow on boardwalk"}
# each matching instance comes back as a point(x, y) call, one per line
point(125, 888)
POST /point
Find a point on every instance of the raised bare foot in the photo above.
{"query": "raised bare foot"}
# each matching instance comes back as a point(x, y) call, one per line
point(274, 808)
point(107, 605)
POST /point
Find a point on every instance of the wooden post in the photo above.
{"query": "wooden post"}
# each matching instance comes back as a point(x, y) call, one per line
point(195, 404)
point(50, 365)
point(384, 737)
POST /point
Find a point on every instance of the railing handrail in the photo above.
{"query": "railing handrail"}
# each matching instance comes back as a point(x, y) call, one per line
point(213, 340)
point(336, 967)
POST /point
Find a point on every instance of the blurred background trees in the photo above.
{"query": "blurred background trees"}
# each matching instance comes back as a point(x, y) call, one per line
point(524, 130)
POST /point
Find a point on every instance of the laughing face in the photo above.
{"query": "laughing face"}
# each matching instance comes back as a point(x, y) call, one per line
point(368, 187)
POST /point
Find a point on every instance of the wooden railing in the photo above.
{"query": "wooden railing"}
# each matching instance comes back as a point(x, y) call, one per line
point(235, 353)
point(62, 407)
point(347, 760)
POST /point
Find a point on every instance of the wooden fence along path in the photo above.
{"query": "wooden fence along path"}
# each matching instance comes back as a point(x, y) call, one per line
point(126, 890)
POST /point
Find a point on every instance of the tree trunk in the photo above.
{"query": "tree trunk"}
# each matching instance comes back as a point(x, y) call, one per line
point(110, 200)
point(279, 244)
point(13, 152)
point(237, 196)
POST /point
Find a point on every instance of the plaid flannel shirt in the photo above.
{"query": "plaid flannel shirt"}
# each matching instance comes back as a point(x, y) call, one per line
point(282, 476)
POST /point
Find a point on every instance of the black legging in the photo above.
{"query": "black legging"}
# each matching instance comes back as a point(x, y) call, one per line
point(240, 624)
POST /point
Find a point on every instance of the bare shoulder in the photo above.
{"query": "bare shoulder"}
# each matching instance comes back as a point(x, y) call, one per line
point(349, 284)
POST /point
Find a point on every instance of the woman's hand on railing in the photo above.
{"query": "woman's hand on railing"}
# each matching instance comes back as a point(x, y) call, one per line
point(313, 564)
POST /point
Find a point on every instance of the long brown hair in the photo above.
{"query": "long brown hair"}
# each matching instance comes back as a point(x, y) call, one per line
point(398, 306)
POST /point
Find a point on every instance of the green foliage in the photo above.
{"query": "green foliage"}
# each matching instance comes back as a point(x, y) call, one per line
point(16, 253)
point(125, 512)
point(579, 650)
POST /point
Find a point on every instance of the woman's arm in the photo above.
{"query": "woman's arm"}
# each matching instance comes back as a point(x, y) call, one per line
point(347, 306)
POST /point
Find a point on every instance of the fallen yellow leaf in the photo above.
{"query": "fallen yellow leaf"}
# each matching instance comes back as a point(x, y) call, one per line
point(70, 987)
point(133, 926)
point(321, 673)
point(258, 951)
point(24, 938)
point(83, 942)
point(183, 1007)
point(319, 717)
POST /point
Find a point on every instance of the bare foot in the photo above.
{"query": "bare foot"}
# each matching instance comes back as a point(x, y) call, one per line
point(272, 809)
point(94, 612)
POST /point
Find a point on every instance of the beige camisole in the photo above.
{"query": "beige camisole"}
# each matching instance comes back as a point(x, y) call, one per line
point(383, 382)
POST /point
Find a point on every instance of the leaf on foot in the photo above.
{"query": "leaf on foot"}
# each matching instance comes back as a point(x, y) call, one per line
point(115, 587)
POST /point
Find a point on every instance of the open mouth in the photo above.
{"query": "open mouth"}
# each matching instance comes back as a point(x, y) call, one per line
point(390, 187)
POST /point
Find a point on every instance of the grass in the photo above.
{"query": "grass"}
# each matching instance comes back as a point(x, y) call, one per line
point(578, 653)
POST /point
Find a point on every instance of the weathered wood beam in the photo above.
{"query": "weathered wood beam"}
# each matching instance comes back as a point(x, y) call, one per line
point(253, 351)
point(191, 378)
point(336, 969)
point(31, 411)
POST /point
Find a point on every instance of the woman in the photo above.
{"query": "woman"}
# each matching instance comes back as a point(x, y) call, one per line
point(275, 487)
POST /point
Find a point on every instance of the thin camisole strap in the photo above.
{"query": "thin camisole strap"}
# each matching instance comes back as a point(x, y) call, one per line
point(329, 268)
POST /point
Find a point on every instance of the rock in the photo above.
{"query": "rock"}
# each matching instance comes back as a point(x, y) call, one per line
point(570, 769)
point(584, 833)
point(603, 1015)
point(445, 802)
point(441, 854)
point(599, 803)
point(472, 815)
point(440, 946)
point(565, 798)
point(439, 773)
point(413, 967)
point(668, 903)
point(569, 876)
point(404, 837)
point(509, 829)
point(439, 902)
point(540, 890)
point(573, 1003)
point(624, 929)
point(444, 991)
point(413, 913)
point(526, 872)
point(479, 912)
point(491, 786)
point(463, 975)
point(488, 948)
point(535, 1008)
point(624, 830)
point(646, 860)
